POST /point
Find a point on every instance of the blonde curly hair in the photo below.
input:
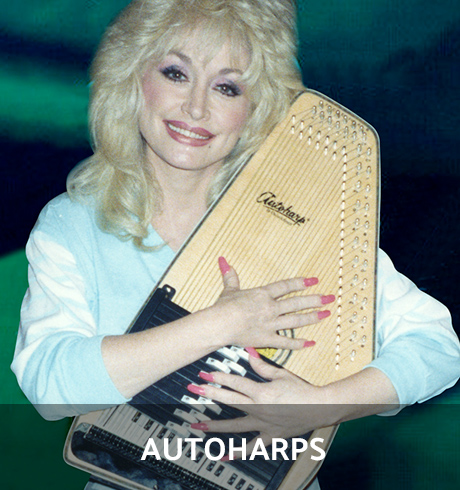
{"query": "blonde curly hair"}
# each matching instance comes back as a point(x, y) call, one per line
point(117, 177)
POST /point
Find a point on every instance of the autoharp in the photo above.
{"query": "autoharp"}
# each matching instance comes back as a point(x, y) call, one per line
point(306, 204)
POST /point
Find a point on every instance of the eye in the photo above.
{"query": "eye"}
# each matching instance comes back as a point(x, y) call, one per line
point(229, 89)
point(174, 73)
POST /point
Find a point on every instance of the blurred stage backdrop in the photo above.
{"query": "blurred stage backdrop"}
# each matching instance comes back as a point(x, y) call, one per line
point(395, 63)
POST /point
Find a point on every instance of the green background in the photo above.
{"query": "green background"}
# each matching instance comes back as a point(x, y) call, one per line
point(395, 63)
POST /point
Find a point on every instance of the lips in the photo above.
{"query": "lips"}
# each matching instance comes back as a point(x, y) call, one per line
point(185, 134)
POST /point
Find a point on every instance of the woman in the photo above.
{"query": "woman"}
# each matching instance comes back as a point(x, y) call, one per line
point(182, 94)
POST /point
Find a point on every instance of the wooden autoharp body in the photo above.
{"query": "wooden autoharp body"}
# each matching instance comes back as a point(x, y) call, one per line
point(305, 205)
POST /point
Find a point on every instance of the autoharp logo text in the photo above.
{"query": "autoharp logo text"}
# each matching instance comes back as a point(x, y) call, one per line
point(272, 204)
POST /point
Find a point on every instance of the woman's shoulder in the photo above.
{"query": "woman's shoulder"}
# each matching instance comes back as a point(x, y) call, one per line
point(63, 207)
point(66, 211)
point(64, 219)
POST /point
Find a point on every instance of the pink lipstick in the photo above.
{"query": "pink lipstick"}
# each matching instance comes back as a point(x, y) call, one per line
point(187, 135)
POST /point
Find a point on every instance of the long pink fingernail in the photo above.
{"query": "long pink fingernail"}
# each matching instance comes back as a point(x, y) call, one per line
point(309, 343)
point(323, 314)
point(198, 390)
point(225, 458)
point(206, 376)
point(223, 266)
point(199, 426)
point(327, 299)
point(310, 281)
point(252, 352)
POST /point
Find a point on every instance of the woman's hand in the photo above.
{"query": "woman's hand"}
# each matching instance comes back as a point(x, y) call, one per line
point(286, 406)
point(253, 317)
point(239, 317)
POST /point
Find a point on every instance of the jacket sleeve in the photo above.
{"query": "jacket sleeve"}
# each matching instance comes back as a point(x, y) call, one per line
point(416, 345)
point(58, 360)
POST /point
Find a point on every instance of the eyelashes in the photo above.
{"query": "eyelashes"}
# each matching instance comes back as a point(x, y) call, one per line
point(229, 89)
point(175, 74)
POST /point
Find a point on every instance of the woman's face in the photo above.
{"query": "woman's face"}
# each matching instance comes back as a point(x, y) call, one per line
point(194, 108)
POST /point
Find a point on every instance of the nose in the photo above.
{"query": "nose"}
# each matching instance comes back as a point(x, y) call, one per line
point(196, 104)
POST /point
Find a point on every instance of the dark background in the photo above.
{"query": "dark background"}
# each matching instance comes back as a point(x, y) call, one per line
point(394, 63)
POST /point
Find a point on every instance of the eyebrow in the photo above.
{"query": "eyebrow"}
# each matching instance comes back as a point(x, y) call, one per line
point(188, 60)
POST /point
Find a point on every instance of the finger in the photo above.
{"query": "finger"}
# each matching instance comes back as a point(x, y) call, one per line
point(298, 303)
point(220, 395)
point(282, 342)
point(287, 286)
point(281, 288)
point(239, 385)
point(297, 320)
point(242, 384)
point(264, 369)
point(229, 275)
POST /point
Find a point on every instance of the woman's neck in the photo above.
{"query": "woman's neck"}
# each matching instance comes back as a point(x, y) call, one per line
point(184, 202)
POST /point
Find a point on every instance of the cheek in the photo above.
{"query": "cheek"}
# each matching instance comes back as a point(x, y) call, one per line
point(153, 103)
point(237, 119)
point(150, 92)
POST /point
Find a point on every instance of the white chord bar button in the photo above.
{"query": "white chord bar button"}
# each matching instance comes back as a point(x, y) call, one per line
point(220, 366)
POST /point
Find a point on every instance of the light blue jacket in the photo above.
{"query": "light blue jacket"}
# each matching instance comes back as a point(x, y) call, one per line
point(85, 284)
